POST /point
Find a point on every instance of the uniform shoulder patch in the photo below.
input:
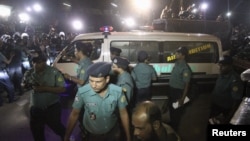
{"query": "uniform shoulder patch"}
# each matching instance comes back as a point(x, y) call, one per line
point(76, 99)
point(235, 88)
point(185, 74)
point(82, 71)
point(124, 90)
point(60, 79)
point(123, 99)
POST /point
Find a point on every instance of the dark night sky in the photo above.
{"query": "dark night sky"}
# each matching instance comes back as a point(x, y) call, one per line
point(54, 9)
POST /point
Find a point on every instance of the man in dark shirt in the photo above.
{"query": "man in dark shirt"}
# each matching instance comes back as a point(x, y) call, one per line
point(148, 125)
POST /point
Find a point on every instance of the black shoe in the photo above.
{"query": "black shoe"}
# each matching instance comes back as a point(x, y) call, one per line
point(14, 99)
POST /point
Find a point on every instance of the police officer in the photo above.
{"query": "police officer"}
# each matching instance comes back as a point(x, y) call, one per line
point(101, 101)
point(47, 83)
point(114, 52)
point(124, 79)
point(82, 52)
point(143, 74)
point(227, 93)
point(179, 85)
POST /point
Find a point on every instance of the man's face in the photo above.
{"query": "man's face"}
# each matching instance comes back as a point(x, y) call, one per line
point(112, 56)
point(39, 66)
point(98, 84)
point(143, 130)
point(76, 53)
point(178, 55)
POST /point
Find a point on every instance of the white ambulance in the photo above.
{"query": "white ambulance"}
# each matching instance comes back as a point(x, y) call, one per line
point(204, 51)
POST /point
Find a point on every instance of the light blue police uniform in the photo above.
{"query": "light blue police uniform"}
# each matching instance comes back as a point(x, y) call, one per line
point(125, 81)
point(180, 75)
point(142, 74)
point(82, 68)
point(105, 109)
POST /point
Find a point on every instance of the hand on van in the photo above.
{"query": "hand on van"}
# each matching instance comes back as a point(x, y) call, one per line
point(66, 76)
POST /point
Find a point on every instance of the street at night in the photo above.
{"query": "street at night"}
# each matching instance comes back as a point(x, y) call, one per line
point(124, 70)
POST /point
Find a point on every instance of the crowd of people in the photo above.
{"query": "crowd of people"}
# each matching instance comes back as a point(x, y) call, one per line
point(17, 49)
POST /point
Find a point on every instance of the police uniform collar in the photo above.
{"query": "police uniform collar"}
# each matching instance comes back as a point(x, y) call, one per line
point(93, 93)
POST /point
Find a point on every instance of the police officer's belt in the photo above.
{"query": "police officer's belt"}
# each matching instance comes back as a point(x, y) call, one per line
point(49, 106)
point(115, 128)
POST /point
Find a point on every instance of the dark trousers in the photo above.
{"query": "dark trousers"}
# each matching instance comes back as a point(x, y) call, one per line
point(175, 114)
point(142, 94)
point(50, 116)
point(16, 75)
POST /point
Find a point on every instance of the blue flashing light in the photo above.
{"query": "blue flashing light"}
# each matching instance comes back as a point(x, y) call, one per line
point(106, 29)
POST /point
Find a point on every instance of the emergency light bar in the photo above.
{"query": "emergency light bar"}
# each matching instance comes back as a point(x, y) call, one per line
point(106, 29)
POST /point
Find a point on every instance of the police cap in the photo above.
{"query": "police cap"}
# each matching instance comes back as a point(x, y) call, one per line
point(99, 69)
point(115, 50)
point(227, 60)
point(142, 56)
point(182, 50)
point(121, 61)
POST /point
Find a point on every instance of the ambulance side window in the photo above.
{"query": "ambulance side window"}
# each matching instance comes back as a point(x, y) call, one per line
point(67, 54)
point(96, 50)
point(130, 49)
point(94, 47)
point(164, 52)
